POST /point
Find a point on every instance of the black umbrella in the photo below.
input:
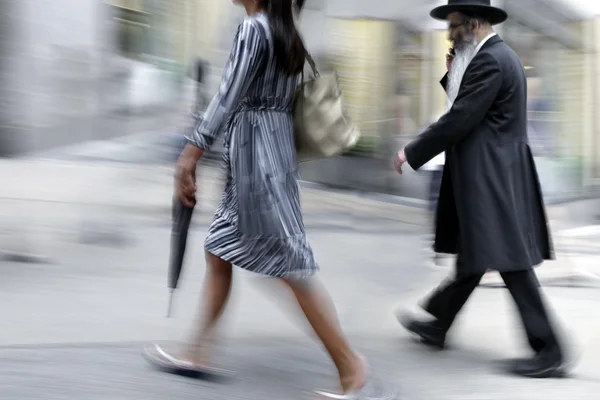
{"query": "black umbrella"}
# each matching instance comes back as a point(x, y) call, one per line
point(182, 216)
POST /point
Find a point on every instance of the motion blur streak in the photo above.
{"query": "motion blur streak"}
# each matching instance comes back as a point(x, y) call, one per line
point(94, 98)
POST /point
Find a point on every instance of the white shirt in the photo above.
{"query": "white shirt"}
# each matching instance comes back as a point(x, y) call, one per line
point(439, 160)
point(485, 39)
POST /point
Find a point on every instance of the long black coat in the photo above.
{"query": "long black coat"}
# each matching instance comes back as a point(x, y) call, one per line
point(490, 208)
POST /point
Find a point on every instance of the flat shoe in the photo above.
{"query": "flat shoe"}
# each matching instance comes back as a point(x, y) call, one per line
point(170, 364)
point(367, 392)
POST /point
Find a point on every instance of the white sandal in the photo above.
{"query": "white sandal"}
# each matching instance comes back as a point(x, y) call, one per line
point(171, 364)
point(360, 394)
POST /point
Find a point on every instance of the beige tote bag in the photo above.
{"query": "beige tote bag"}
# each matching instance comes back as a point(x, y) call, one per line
point(321, 127)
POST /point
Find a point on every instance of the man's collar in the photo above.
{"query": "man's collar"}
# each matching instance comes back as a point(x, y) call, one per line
point(480, 45)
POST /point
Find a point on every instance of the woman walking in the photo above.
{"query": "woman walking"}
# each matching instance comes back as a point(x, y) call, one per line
point(258, 225)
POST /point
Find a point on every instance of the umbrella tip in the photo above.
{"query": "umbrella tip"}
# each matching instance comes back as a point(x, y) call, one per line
point(171, 292)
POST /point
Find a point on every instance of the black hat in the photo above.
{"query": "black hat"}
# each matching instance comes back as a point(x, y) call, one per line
point(480, 8)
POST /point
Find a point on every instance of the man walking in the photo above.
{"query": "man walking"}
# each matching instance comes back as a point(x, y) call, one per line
point(490, 211)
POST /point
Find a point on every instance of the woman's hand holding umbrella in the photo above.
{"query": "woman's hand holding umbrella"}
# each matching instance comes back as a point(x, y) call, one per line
point(183, 206)
point(186, 174)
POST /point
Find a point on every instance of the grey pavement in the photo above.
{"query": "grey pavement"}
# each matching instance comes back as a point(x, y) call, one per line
point(75, 328)
point(146, 190)
point(159, 147)
point(70, 193)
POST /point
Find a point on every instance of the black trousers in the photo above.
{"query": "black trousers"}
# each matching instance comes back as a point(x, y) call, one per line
point(448, 299)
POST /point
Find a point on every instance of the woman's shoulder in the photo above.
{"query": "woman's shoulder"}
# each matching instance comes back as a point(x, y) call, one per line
point(253, 25)
point(254, 32)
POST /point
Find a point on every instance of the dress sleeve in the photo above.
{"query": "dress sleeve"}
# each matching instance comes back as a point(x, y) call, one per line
point(245, 60)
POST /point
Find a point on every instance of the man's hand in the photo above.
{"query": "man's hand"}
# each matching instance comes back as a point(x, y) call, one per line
point(449, 58)
point(400, 160)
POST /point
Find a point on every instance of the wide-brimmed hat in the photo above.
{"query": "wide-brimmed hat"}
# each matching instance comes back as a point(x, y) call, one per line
point(482, 8)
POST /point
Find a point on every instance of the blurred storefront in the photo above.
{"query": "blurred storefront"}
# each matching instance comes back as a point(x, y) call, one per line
point(144, 53)
point(58, 65)
point(551, 41)
point(550, 44)
point(380, 66)
point(361, 52)
point(83, 61)
point(14, 61)
point(133, 57)
point(591, 101)
point(390, 61)
point(548, 36)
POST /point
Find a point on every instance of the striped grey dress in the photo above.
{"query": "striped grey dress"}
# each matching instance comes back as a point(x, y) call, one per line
point(258, 224)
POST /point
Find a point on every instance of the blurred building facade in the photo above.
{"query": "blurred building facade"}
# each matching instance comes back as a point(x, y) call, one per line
point(553, 43)
point(79, 60)
point(13, 102)
point(558, 45)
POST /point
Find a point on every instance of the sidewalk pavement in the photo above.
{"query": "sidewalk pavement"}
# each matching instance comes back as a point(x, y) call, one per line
point(76, 197)
point(145, 189)
point(76, 328)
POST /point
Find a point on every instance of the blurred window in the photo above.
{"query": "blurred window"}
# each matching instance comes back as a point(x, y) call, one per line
point(409, 76)
point(132, 31)
point(555, 119)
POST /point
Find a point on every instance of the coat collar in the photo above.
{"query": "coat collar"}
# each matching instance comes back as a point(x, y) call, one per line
point(491, 41)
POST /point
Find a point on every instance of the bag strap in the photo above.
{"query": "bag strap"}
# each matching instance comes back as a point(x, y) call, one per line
point(313, 65)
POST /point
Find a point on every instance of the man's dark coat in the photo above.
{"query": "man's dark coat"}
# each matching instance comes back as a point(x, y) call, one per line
point(490, 208)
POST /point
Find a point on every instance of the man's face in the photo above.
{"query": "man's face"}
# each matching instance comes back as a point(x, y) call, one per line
point(459, 32)
point(464, 44)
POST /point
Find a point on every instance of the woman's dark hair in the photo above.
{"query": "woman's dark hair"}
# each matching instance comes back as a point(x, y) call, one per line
point(290, 52)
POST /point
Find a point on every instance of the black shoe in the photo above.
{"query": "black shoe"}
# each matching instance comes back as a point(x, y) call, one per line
point(542, 365)
point(430, 333)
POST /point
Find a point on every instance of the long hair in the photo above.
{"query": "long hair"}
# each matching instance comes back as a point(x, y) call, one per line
point(290, 52)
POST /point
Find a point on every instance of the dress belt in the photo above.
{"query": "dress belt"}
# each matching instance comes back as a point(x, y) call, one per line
point(264, 104)
point(260, 105)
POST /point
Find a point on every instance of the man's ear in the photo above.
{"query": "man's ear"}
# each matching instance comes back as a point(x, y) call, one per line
point(474, 24)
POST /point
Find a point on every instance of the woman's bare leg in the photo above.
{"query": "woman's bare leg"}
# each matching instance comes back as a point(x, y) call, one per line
point(217, 287)
point(320, 312)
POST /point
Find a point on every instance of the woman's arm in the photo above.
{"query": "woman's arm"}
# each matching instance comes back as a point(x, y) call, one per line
point(246, 58)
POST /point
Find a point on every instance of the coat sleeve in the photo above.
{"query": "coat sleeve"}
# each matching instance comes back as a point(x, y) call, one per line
point(478, 90)
point(246, 58)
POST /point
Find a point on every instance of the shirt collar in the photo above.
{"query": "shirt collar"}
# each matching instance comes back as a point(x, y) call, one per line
point(480, 45)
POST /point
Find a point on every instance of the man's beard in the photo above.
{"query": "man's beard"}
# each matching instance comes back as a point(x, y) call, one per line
point(465, 51)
